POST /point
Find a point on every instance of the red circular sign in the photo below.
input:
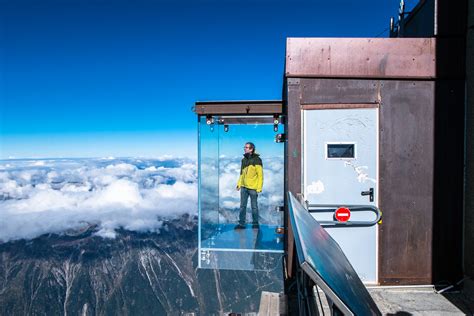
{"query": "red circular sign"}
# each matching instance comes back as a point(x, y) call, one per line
point(342, 214)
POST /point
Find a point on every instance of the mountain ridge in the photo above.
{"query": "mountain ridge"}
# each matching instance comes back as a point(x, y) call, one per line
point(146, 273)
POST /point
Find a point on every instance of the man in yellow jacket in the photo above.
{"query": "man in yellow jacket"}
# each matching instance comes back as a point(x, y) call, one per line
point(250, 184)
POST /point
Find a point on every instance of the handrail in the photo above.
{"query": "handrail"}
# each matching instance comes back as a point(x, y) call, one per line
point(331, 208)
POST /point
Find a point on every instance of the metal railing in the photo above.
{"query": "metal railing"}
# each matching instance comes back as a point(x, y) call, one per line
point(321, 262)
point(331, 208)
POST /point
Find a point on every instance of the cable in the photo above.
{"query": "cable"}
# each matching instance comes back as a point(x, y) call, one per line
point(388, 28)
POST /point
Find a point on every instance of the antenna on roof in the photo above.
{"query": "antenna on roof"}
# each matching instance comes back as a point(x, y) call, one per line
point(401, 10)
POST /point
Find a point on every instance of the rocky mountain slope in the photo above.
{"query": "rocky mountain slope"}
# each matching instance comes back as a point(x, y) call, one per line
point(79, 273)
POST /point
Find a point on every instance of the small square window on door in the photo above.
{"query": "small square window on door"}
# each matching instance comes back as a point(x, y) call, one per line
point(344, 150)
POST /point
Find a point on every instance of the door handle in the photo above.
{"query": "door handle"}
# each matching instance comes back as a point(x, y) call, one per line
point(370, 193)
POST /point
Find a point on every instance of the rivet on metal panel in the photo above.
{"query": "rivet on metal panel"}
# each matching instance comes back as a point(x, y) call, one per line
point(293, 81)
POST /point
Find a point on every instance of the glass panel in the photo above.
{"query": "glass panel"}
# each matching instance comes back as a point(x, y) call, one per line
point(208, 165)
point(340, 150)
point(326, 264)
point(221, 245)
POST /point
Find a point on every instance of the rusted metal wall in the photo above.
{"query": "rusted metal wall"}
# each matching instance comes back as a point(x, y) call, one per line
point(406, 163)
point(360, 57)
point(397, 75)
point(406, 182)
point(292, 160)
point(291, 95)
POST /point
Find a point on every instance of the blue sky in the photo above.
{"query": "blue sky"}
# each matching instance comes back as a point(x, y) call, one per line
point(119, 78)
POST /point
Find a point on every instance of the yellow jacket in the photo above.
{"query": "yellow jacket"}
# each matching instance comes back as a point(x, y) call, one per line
point(251, 172)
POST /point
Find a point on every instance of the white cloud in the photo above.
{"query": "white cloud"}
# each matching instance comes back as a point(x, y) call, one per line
point(120, 193)
point(38, 163)
point(121, 169)
point(68, 194)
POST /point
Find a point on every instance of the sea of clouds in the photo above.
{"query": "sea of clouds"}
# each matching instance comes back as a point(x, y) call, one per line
point(56, 195)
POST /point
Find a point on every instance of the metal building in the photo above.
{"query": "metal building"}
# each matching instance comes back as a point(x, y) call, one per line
point(371, 102)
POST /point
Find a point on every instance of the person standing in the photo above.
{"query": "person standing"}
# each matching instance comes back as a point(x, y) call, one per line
point(250, 184)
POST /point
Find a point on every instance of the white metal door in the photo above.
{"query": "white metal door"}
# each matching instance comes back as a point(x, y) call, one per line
point(340, 161)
